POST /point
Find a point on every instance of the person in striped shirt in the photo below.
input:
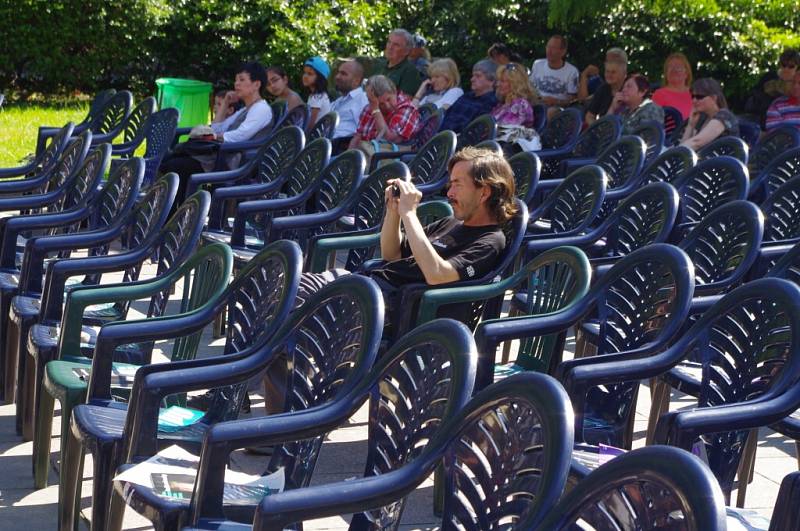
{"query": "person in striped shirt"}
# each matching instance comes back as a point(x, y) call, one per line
point(785, 110)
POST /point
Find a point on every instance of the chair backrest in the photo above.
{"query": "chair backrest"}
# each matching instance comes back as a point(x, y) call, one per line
point(491, 145)
point(562, 130)
point(82, 183)
point(68, 162)
point(782, 168)
point(782, 210)
point(623, 160)
point(645, 217)
point(669, 166)
point(598, 136)
point(429, 164)
point(370, 208)
point(118, 196)
point(325, 127)
point(652, 133)
point(307, 168)
point(429, 126)
point(746, 344)
point(749, 131)
point(539, 116)
point(277, 154)
point(724, 245)
point(134, 124)
point(47, 160)
point(657, 487)
point(279, 109)
point(572, 206)
point(732, 146)
point(426, 110)
point(338, 182)
point(112, 113)
point(97, 104)
point(673, 125)
point(711, 183)
point(159, 130)
point(526, 167)
point(484, 127)
point(331, 341)
point(298, 116)
point(774, 143)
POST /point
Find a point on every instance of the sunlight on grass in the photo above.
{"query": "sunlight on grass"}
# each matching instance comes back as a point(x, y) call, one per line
point(19, 123)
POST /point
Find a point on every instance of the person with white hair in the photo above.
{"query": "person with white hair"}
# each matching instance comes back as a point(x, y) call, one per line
point(396, 65)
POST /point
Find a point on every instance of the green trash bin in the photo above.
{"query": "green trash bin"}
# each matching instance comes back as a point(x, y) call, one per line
point(189, 96)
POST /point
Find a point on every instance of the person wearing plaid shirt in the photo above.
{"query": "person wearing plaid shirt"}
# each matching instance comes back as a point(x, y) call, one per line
point(389, 116)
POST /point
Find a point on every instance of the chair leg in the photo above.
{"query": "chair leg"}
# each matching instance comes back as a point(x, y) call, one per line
point(26, 404)
point(41, 440)
point(797, 453)
point(69, 483)
point(507, 344)
point(658, 406)
point(746, 465)
point(116, 511)
point(105, 463)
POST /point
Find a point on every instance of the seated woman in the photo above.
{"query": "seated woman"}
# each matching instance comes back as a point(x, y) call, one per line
point(710, 117)
point(441, 89)
point(515, 94)
point(633, 104)
point(250, 122)
point(677, 80)
point(278, 86)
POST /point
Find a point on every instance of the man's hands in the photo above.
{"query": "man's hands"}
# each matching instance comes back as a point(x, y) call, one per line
point(423, 89)
point(590, 71)
point(406, 202)
point(374, 104)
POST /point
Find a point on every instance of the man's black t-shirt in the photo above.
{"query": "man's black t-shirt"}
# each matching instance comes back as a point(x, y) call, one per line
point(601, 100)
point(473, 252)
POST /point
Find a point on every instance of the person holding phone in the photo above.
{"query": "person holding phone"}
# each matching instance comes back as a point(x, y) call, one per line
point(710, 118)
point(441, 88)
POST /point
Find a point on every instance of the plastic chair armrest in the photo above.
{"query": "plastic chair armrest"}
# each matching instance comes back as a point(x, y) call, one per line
point(322, 247)
point(214, 177)
point(16, 171)
point(570, 165)
point(386, 155)
point(434, 298)
point(304, 221)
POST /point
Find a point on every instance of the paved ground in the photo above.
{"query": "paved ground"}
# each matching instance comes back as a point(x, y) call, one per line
point(21, 507)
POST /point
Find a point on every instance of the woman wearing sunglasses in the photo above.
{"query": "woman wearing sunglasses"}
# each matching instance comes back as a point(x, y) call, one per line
point(710, 117)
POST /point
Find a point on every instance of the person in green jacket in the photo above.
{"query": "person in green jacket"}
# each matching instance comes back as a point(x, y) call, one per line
point(396, 65)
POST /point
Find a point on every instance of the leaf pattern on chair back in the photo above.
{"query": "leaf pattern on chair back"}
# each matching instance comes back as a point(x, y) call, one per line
point(69, 161)
point(742, 352)
point(731, 146)
point(525, 166)
point(159, 132)
point(717, 248)
point(597, 137)
point(51, 153)
point(652, 133)
point(324, 127)
point(622, 161)
point(782, 211)
point(481, 128)
point(708, 186)
point(278, 155)
point(82, 182)
point(637, 222)
point(113, 113)
point(786, 167)
point(430, 125)
point(560, 130)
point(134, 124)
point(405, 411)
point(669, 166)
point(572, 203)
point(306, 168)
point(430, 162)
point(493, 469)
point(773, 145)
point(321, 352)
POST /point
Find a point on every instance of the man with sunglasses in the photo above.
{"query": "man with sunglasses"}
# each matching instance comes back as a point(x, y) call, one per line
point(773, 85)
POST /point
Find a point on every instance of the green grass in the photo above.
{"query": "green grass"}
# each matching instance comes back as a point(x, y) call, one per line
point(19, 123)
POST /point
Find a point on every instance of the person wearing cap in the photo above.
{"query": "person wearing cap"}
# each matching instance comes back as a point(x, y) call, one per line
point(396, 65)
point(420, 56)
point(315, 79)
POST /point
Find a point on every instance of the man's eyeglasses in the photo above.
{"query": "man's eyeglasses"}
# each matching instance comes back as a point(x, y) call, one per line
point(698, 96)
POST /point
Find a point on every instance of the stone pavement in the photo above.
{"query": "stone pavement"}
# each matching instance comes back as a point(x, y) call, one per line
point(342, 457)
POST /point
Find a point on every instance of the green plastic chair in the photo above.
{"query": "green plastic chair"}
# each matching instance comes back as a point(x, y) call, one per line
point(205, 276)
point(558, 278)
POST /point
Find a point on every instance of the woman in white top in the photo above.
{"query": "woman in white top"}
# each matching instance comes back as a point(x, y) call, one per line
point(442, 88)
point(315, 79)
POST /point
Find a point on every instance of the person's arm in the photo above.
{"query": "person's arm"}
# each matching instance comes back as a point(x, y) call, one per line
point(258, 116)
point(583, 82)
point(312, 117)
point(708, 133)
point(435, 269)
point(402, 125)
point(616, 104)
point(390, 230)
point(423, 89)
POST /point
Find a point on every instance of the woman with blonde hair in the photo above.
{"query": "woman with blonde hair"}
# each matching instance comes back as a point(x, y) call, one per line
point(441, 89)
point(677, 80)
point(516, 96)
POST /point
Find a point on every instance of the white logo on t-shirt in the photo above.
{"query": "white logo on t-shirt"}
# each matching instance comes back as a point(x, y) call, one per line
point(470, 271)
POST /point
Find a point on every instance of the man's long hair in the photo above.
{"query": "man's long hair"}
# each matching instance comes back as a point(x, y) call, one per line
point(489, 168)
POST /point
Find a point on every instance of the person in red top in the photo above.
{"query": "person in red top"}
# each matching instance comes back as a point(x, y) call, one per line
point(389, 116)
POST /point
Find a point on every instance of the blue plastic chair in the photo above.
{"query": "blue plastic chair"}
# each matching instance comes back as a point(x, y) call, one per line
point(636, 307)
point(46, 160)
point(782, 168)
point(428, 165)
point(749, 132)
point(539, 117)
point(330, 344)
point(488, 450)
point(157, 133)
point(258, 301)
point(652, 133)
point(782, 212)
point(482, 128)
point(670, 166)
point(731, 146)
point(588, 145)
point(774, 143)
point(325, 127)
point(623, 161)
point(297, 117)
point(649, 488)
point(526, 167)
point(673, 125)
